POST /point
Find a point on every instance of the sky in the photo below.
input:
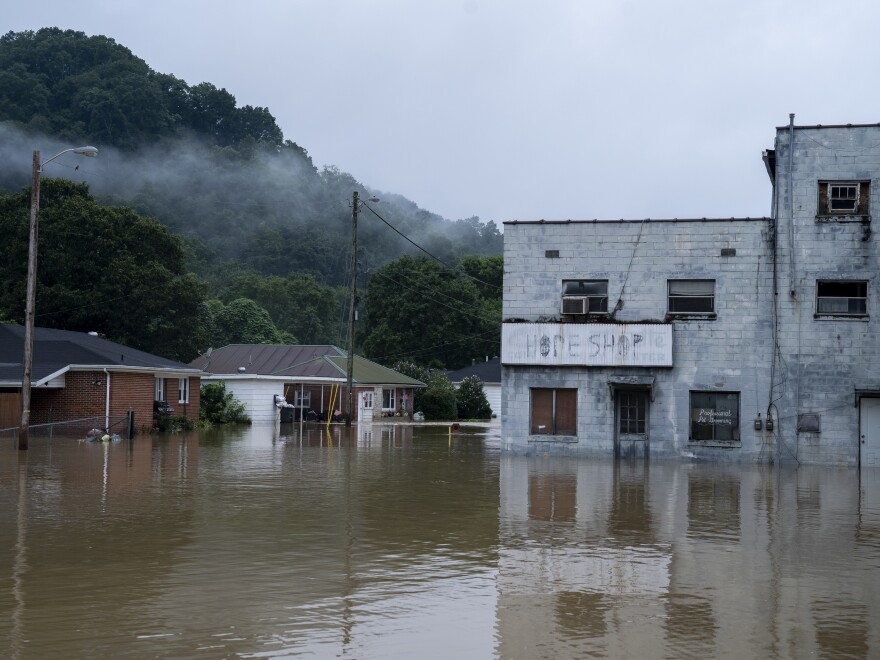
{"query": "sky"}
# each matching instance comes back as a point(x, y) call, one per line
point(515, 109)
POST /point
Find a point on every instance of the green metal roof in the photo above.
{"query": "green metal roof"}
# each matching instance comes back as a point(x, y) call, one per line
point(364, 371)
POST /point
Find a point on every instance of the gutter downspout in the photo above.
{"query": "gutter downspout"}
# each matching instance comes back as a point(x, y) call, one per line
point(107, 403)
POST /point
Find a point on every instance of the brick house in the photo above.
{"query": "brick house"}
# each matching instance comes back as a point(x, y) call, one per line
point(307, 378)
point(744, 339)
point(78, 375)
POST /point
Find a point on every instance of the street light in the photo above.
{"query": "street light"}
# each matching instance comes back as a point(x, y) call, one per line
point(32, 287)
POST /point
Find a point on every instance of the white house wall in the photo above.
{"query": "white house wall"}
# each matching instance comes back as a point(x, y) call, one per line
point(258, 397)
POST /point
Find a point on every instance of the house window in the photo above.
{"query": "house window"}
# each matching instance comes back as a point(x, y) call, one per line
point(844, 197)
point(841, 298)
point(388, 399)
point(691, 297)
point(715, 417)
point(584, 296)
point(159, 390)
point(554, 411)
point(302, 399)
point(183, 390)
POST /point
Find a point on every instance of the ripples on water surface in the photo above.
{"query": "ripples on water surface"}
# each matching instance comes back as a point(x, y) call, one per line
point(398, 542)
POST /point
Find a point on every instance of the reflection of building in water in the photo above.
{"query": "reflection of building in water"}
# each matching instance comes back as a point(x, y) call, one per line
point(668, 560)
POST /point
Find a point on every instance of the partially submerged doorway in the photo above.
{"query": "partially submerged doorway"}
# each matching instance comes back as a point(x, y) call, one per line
point(632, 408)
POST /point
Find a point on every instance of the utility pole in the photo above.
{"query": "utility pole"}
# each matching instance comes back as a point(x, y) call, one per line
point(351, 310)
point(30, 304)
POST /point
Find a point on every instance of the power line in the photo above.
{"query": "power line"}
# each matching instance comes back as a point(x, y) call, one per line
point(436, 258)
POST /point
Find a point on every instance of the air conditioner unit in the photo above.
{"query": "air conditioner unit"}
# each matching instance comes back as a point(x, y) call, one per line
point(575, 304)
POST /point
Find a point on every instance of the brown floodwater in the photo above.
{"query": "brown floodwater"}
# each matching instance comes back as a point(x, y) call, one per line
point(409, 542)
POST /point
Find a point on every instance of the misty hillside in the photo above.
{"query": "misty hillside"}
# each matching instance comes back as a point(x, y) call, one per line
point(222, 176)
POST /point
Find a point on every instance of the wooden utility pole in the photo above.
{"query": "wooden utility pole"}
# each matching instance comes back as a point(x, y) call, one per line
point(30, 303)
point(349, 410)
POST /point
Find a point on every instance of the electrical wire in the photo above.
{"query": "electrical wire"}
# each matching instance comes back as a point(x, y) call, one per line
point(443, 304)
point(434, 257)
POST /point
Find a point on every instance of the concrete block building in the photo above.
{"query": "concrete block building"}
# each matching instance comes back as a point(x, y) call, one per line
point(747, 339)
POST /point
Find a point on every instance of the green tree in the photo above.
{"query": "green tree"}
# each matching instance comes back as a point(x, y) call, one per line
point(243, 321)
point(100, 268)
point(438, 399)
point(471, 399)
point(418, 309)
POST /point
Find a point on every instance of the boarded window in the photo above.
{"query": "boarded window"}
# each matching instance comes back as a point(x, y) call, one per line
point(691, 296)
point(844, 197)
point(715, 417)
point(584, 296)
point(554, 411)
point(842, 298)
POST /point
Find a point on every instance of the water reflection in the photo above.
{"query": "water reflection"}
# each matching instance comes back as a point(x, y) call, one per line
point(401, 541)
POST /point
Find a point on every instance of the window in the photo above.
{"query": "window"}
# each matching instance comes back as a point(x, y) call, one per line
point(183, 390)
point(584, 296)
point(715, 417)
point(302, 399)
point(843, 197)
point(691, 297)
point(841, 298)
point(554, 411)
point(388, 399)
point(367, 398)
point(159, 391)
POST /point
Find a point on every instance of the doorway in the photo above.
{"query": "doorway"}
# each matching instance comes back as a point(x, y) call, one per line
point(632, 414)
point(869, 432)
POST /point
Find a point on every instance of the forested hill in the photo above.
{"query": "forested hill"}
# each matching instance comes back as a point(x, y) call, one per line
point(222, 176)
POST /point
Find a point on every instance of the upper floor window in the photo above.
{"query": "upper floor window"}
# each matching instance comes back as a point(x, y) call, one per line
point(843, 198)
point(841, 298)
point(584, 296)
point(691, 297)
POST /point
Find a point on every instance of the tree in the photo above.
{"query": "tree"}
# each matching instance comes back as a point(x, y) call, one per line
point(100, 268)
point(413, 370)
point(421, 310)
point(471, 399)
point(243, 321)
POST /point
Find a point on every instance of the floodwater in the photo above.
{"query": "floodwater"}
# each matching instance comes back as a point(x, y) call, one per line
point(403, 542)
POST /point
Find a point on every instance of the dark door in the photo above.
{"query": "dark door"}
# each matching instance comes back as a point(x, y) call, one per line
point(632, 423)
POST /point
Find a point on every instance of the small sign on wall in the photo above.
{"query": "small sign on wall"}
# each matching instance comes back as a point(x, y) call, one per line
point(587, 344)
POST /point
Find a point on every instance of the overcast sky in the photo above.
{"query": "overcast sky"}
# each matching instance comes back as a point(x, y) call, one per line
point(513, 109)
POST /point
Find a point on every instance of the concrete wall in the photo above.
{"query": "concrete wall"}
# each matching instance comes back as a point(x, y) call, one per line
point(826, 358)
point(821, 361)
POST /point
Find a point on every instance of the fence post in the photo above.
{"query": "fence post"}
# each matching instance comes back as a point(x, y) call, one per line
point(130, 423)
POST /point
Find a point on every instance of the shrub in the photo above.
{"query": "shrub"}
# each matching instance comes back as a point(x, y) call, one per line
point(218, 406)
point(471, 399)
point(174, 423)
point(438, 399)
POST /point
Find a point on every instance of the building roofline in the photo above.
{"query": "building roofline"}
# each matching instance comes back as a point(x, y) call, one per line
point(811, 126)
point(628, 221)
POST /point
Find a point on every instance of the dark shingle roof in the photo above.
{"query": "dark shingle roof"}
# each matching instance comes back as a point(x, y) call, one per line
point(488, 372)
point(56, 349)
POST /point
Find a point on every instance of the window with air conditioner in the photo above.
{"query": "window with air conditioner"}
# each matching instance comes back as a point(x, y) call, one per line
point(584, 297)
